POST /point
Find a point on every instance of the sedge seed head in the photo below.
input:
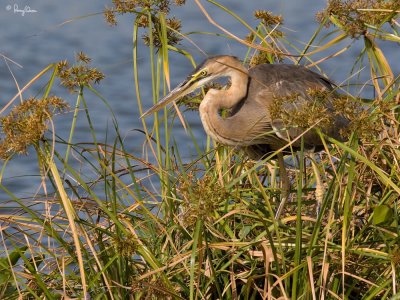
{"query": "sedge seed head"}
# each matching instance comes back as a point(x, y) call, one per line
point(26, 124)
point(78, 75)
point(354, 16)
point(201, 197)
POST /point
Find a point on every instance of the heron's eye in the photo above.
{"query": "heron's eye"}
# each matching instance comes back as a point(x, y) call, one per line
point(203, 73)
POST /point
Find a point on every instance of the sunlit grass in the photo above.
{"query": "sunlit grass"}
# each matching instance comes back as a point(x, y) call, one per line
point(111, 225)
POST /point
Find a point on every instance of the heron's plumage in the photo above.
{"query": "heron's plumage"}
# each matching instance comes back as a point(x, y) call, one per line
point(250, 98)
point(267, 82)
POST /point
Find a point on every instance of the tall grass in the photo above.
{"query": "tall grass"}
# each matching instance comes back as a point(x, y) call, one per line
point(120, 226)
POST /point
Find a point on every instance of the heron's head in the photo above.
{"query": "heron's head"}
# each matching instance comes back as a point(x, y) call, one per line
point(211, 68)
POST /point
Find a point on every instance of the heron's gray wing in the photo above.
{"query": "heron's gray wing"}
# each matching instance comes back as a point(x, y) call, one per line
point(284, 132)
point(285, 91)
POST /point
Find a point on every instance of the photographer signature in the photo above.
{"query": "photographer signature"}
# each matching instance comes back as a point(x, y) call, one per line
point(23, 11)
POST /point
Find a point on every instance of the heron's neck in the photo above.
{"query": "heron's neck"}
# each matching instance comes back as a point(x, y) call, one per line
point(215, 100)
point(238, 90)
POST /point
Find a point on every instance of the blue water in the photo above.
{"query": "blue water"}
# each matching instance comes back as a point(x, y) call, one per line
point(57, 31)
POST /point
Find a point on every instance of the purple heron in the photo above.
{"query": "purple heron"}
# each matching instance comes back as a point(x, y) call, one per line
point(250, 124)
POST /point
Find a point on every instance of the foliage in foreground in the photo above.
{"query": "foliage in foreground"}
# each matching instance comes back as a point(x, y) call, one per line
point(123, 227)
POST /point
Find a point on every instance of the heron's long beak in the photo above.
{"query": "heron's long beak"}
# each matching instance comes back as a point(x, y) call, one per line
point(184, 88)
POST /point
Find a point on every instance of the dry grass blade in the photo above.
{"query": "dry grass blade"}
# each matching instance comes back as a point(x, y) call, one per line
point(242, 41)
point(19, 94)
point(72, 216)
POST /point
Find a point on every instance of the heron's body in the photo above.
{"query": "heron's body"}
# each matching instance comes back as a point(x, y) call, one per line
point(249, 101)
point(249, 124)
